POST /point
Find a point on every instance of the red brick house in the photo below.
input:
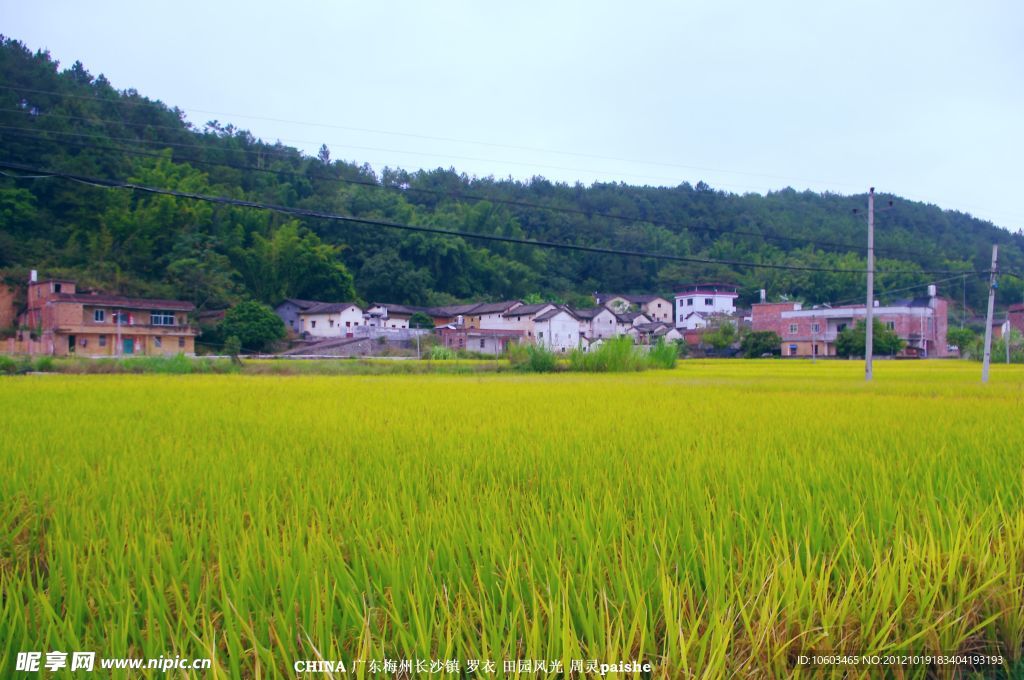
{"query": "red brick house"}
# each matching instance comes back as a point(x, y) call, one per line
point(920, 322)
point(61, 321)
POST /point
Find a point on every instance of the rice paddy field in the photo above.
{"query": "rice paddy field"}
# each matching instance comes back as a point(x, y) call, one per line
point(721, 519)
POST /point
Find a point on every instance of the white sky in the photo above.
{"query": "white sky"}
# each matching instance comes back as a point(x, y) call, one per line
point(921, 99)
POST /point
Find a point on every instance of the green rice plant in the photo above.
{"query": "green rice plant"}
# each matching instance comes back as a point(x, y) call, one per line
point(720, 521)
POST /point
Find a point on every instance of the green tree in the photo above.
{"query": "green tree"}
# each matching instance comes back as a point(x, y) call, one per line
point(421, 320)
point(963, 338)
point(254, 324)
point(721, 337)
point(758, 343)
point(850, 342)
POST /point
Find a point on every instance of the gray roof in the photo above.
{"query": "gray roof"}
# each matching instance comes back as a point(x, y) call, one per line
point(452, 310)
point(636, 299)
point(527, 310)
point(551, 313)
point(330, 307)
point(592, 312)
point(495, 307)
point(302, 304)
point(629, 317)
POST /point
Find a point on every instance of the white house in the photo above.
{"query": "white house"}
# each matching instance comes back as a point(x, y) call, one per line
point(331, 319)
point(387, 316)
point(599, 322)
point(655, 307)
point(696, 303)
point(491, 315)
point(557, 329)
point(520, 317)
point(627, 323)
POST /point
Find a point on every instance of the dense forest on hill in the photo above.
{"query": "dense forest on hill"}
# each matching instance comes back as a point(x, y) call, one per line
point(144, 244)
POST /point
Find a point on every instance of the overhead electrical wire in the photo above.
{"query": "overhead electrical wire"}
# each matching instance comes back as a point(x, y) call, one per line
point(145, 101)
point(150, 102)
point(37, 135)
point(313, 214)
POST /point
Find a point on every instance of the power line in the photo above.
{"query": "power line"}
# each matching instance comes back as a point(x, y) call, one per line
point(313, 214)
point(36, 135)
point(149, 102)
point(145, 101)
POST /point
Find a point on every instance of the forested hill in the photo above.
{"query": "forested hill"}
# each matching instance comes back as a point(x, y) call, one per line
point(137, 243)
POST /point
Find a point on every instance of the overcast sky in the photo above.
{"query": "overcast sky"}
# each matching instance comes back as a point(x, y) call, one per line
point(922, 99)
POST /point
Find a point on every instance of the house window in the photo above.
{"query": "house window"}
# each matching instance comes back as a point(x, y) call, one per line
point(312, 324)
point(816, 328)
point(161, 318)
point(119, 317)
point(689, 302)
point(103, 341)
point(792, 329)
point(348, 324)
point(99, 315)
point(708, 302)
point(815, 350)
point(540, 334)
point(56, 288)
point(181, 342)
point(891, 325)
point(330, 322)
point(481, 343)
point(158, 342)
point(792, 350)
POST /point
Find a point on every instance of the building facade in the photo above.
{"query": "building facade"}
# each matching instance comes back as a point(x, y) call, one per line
point(63, 322)
point(920, 322)
point(698, 302)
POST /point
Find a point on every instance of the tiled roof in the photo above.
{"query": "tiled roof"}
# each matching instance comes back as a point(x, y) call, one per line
point(330, 307)
point(551, 313)
point(303, 304)
point(527, 310)
point(495, 307)
point(125, 302)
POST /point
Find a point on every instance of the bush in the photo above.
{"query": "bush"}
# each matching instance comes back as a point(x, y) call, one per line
point(758, 343)
point(663, 355)
point(440, 353)
point(256, 326)
point(541, 359)
point(232, 346)
point(8, 366)
point(527, 357)
point(614, 355)
point(44, 364)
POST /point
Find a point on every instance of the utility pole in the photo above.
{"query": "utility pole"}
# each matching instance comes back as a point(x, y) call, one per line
point(992, 285)
point(869, 317)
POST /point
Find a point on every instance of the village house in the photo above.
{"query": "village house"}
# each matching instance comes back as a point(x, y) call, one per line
point(481, 340)
point(331, 320)
point(557, 329)
point(450, 314)
point(626, 323)
point(388, 316)
point(521, 317)
point(697, 303)
point(597, 323)
point(651, 333)
point(61, 321)
point(920, 322)
point(491, 315)
point(654, 307)
point(290, 309)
